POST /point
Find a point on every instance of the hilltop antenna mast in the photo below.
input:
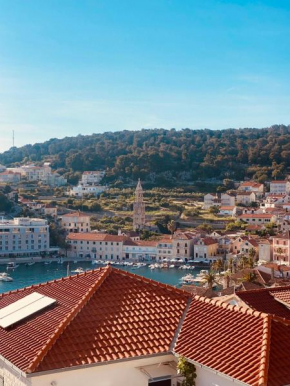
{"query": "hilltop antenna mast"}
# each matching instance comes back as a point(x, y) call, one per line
point(13, 138)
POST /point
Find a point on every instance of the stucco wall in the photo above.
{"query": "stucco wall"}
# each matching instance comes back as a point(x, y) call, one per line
point(124, 373)
point(208, 378)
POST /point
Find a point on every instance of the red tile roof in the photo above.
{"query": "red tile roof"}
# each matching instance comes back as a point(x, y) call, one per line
point(94, 236)
point(231, 340)
point(263, 300)
point(256, 215)
point(75, 214)
point(101, 315)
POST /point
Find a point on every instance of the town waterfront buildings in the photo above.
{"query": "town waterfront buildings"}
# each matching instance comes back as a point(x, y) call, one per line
point(23, 237)
point(76, 222)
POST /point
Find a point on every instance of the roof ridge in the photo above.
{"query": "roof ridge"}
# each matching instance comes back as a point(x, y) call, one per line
point(66, 321)
point(269, 289)
point(265, 351)
point(231, 307)
point(150, 281)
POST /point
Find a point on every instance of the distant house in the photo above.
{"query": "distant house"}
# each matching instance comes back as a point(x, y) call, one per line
point(281, 248)
point(258, 218)
point(280, 187)
point(246, 198)
point(205, 248)
point(223, 199)
point(9, 177)
point(76, 222)
point(228, 211)
point(251, 186)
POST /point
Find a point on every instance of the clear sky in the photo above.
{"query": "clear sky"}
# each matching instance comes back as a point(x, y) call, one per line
point(82, 66)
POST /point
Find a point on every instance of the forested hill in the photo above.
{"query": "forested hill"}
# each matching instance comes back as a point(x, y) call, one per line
point(166, 154)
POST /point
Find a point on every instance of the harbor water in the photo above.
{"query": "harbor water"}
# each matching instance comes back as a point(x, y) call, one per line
point(25, 275)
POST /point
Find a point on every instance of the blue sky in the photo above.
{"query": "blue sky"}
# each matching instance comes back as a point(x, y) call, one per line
point(76, 67)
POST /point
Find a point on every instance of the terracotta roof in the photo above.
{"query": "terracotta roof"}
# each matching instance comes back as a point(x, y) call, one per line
point(263, 300)
point(227, 208)
point(231, 340)
point(207, 241)
point(101, 315)
point(75, 214)
point(251, 183)
point(256, 215)
point(279, 182)
point(92, 236)
point(241, 193)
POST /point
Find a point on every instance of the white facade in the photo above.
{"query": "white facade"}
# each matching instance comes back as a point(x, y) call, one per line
point(246, 198)
point(92, 177)
point(76, 222)
point(23, 237)
point(278, 187)
point(87, 190)
point(10, 177)
point(265, 250)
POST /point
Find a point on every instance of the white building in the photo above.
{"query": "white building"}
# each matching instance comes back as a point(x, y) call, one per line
point(42, 174)
point(205, 249)
point(258, 218)
point(223, 199)
point(76, 222)
point(246, 198)
point(24, 237)
point(9, 177)
point(278, 187)
point(92, 177)
point(87, 190)
point(251, 186)
point(95, 245)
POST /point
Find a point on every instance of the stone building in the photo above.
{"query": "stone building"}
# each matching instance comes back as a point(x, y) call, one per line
point(139, 208)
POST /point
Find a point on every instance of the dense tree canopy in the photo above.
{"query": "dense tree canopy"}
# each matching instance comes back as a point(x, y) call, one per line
point(166, 154)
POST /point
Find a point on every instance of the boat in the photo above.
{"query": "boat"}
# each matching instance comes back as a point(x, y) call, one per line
point(78, 270)
point(31, 263)
point(47, 262)
point(172, 266)
point(136, 266)
point(12, 265)
point(187, 279)
point(4, 277)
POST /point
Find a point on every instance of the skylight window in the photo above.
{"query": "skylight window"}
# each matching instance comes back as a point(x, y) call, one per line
point(24, 308)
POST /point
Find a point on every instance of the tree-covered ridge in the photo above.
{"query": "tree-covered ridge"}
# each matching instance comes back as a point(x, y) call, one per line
point(178, 154)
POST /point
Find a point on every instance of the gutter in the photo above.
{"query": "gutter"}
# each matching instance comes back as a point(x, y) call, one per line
point(81, 367)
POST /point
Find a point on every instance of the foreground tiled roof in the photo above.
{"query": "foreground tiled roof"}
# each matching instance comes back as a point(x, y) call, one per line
point(267, 300)
point(226, 338)
point(101, 315)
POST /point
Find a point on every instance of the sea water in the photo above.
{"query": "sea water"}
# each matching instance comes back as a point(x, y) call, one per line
point(26, 275)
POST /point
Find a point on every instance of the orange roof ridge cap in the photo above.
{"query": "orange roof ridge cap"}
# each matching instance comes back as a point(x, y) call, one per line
point(265, 351)
point(150, 281)
point(220, 303)
point(66, 321)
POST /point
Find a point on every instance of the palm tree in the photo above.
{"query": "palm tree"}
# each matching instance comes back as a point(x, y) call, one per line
point(231, 264)
point(210, 279)
point(252, 253)
point(171, 226)
point(249, 277)
point(217, 265)
point(242, 262)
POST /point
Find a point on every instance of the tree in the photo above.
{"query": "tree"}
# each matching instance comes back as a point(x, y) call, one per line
point(186, 370)
point(218, 265)
point(210, 279)
point(171, 226)
point(252, 253)
point(214, 209)
point(250, 277)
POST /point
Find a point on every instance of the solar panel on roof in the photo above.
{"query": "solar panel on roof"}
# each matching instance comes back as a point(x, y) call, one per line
point(23, 308)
